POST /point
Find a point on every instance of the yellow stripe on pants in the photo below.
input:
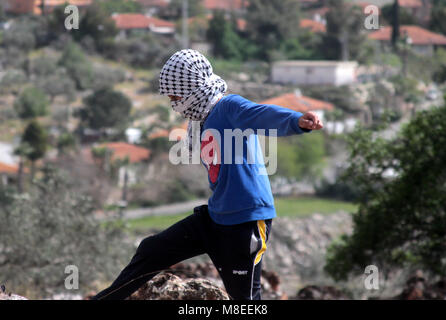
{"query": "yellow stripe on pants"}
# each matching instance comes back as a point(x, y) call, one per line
point(262, 231)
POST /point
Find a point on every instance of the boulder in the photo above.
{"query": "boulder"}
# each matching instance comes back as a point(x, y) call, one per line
point(166, 286)
point(417, 288)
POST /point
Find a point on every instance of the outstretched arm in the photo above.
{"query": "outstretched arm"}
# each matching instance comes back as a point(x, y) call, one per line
point(245, 114)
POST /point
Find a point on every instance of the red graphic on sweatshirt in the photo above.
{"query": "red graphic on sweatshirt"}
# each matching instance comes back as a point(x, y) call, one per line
point(210, 155)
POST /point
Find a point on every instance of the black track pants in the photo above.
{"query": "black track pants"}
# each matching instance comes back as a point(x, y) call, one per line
point(235, 250)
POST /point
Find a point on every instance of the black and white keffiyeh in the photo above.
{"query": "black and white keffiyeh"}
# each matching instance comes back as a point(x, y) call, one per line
point(189, 75)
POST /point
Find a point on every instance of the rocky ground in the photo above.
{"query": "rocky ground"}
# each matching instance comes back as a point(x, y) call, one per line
point(167, 286)
point(293, 269)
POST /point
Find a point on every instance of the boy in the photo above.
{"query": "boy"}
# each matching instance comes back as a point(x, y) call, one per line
point(233, 228)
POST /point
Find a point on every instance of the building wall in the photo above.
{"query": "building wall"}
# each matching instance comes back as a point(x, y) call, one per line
point(423, 50)
point(345, 75)
point(303, 75)
point(313, 75)
point(3, 179)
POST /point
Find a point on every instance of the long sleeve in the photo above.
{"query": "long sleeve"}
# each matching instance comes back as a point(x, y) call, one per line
point(245, 114)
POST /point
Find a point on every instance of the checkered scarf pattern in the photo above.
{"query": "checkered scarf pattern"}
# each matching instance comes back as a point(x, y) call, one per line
point(188, 74)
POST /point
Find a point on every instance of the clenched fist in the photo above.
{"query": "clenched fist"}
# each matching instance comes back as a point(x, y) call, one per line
point(310, 121)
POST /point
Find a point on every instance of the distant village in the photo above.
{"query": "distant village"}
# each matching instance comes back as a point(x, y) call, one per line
point(296, 79)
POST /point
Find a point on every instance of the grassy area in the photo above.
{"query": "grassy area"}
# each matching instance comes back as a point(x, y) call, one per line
point(305, 206)
point(286, 207)
point(158, 222)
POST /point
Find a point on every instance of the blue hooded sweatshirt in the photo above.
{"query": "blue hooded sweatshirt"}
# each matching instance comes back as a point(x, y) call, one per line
point(237, 176)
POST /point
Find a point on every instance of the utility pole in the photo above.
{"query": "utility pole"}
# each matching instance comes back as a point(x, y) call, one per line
point(396, 24)
point(185, 24)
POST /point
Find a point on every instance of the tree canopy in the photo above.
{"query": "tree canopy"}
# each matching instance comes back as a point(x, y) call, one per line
point(36, 137)
point(105, 108)
point(31, 103)
point(271, 22)
point(344, 37)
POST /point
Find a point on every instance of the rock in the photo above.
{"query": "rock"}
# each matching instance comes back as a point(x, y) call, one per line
point(417, 289)
point(166, 286)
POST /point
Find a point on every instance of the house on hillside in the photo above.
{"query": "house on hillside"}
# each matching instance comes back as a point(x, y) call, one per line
point(8, 173)
point(422, 41)
point(135, 23)
point(137, 157)
point(307, 73)
point(297, 102)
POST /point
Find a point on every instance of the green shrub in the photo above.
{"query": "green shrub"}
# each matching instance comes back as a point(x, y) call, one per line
point(401, 185)
point(31, 103)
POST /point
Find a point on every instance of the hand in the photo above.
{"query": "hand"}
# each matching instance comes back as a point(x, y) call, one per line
point(310, 121)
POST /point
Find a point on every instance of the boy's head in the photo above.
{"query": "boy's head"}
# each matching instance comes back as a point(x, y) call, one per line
point(187, 78)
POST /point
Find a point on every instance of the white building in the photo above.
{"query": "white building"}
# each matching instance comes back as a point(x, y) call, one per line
point(302, 72)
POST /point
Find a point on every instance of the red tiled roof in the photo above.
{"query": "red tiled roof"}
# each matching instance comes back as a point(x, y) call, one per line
point(8, 168)
point(241, 24)
point(156, 22)
point(410, 3)
point(224, 5)
point(127, 21)
point(299, 103)
point(314, 26)
point(131, 21)
point(121, 150)
point(418, 35)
